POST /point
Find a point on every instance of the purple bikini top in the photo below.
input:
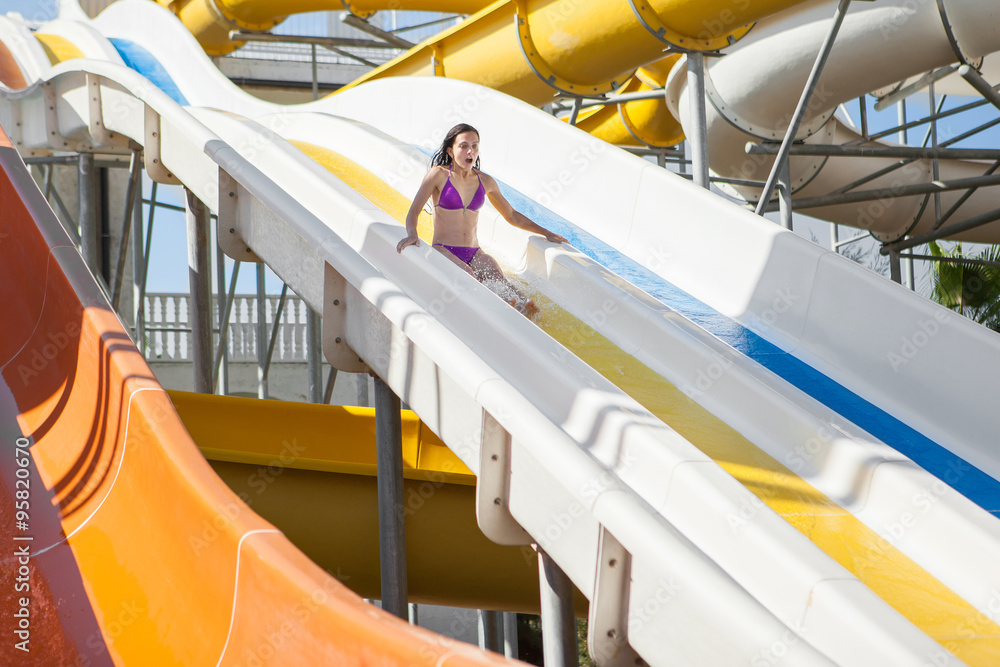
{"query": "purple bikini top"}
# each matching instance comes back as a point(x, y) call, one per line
point(450, 198)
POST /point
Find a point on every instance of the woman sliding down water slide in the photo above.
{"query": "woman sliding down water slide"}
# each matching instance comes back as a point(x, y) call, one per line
point(454, 171)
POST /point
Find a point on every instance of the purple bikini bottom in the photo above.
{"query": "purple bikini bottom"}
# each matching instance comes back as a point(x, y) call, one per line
point(464, 253)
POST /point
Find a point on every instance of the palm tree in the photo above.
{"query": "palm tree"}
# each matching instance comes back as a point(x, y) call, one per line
point(970, 289)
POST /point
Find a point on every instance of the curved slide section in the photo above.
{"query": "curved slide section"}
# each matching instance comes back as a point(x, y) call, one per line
point(137, 552)
point(534, 51)
point(758, 84)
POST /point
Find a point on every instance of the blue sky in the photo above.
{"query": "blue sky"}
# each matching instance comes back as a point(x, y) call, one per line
point(36, 10)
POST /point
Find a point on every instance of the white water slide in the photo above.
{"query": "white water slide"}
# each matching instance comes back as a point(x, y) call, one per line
point(792, 458)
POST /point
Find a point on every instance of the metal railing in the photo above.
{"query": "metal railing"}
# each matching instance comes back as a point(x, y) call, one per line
point(168, 328)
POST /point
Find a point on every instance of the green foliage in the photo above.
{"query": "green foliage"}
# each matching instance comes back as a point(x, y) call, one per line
point(970, 289)
point(581, 644)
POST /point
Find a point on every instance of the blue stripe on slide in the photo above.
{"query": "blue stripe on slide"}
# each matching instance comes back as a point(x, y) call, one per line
point(968, 480)
point(144, 63)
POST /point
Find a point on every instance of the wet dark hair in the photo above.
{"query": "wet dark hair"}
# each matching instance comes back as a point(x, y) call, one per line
point(441, 157)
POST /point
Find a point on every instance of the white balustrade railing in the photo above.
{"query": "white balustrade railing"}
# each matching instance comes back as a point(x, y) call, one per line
point(168, 328)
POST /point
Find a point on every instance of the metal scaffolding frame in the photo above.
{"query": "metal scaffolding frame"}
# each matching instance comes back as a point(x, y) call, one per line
point(931, 148)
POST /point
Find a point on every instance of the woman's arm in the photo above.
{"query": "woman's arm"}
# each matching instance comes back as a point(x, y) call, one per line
point(516, 218)
point(427, 187)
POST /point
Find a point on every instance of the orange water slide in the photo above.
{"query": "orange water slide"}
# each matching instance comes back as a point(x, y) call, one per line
point(123, 546)
point(10, 73)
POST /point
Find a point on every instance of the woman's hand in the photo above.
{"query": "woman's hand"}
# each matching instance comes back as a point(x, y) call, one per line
point(411, 239)
point(553, 237)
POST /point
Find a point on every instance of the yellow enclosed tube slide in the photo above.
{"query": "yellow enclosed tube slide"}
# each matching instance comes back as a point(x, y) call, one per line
point(526, 48)
point(638, 122)
point(535, 50)
point(211, 20)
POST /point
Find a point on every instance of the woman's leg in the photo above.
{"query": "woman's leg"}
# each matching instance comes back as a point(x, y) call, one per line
point(486, 269)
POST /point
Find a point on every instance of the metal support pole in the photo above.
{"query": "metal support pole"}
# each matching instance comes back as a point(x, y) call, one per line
point(957, 228)
point(901, 120)
point(103, 224)
point(275, 327)
point(653, 94)
point(834, 237)
point(330, 381)
point(315, 72)
point(900, 152)
point(952, 260)
point(577, 105)
point(698, 137)
point(863, 104)
point(965, 197)
point(135, 170)
point(314, 354)
point(138, 272)
point(903, 93)
point(387, 37)
point(222, 387)
point(145, 254)
point(935, 162)
point(510, 649)
point(981, 85)
point(363, 398)
point(895, 271)
point(491, 630)
point(895, 191)
point(224, 332)
point(326, 42)
point(558, 622)
point(800, 110)
point(853, 239)
point(391, 516)
point(66, 219)
point(785, 194)
point(261, 334)
point(90, 241)
point(922, 121)
point(199, 277)
point(910, 159)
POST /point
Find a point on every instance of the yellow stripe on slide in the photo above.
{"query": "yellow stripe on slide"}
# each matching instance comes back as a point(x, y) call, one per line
point(58, 49)
point(909, 589)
